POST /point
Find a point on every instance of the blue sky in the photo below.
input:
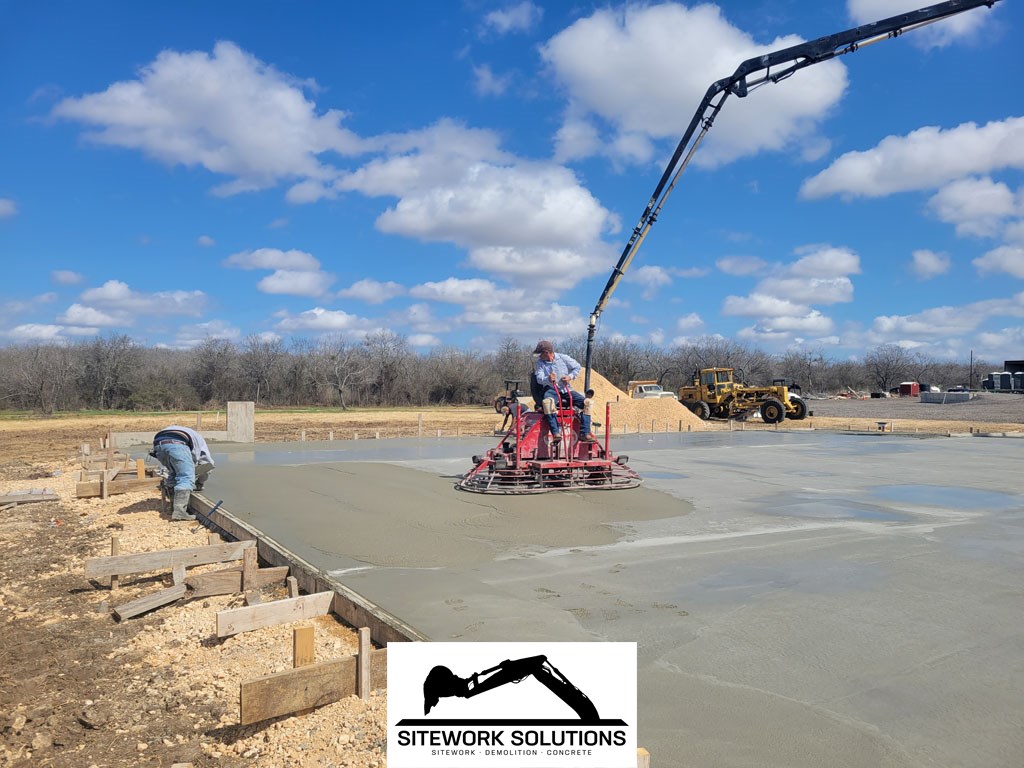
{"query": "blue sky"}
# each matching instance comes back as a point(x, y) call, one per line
point(460, 172)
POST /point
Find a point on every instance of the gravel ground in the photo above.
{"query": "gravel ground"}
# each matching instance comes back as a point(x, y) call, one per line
point(985, 407)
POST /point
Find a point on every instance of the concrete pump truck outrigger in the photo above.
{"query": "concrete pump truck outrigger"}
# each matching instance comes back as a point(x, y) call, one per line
point(524, 462)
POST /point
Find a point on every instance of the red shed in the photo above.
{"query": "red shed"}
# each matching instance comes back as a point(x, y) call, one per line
point(910, 389)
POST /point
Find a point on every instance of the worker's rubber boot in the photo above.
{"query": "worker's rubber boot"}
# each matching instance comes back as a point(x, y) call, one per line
point(180, 509)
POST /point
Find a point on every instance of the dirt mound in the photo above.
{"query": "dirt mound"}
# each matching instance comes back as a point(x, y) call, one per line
point(639, 414)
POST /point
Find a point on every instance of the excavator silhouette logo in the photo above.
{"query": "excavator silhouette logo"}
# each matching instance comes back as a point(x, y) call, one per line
point(441, 682)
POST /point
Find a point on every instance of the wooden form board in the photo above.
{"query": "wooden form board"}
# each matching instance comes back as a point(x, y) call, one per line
point(149, 602)
point(143, 562)
point(237, 620)
point(229, 581)
point(349, 605)
point(306, 687)
point(29, 496)
point(89, 488)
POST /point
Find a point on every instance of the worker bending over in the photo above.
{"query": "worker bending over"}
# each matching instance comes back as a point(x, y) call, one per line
point(186, 456)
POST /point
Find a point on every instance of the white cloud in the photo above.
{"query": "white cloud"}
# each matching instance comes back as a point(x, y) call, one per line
point(976, 206)
point(372, 291)
point(928, 264)
point(205, 241)
point(689, 322)
point(762, 305)
point(517, 219)
point(21, 306)
point(924, 159)
point(117, 296)
point(577, 138)
point(741, 266)
point(420, 318)
point(651, 278)
point(944, 323)
point(78, 314)
point(456, 291)
point(272, 258)
point(292, 282)
point(227, 111)
point(520, 17)
point(66, 277)
point(825, 261)
point(295, 273)
point(948, 30)
point(937, 322)
point(600, 59)
point(320, 319)
point(421, 340)
point(783, 300)
point(1008, 259)
point(814, 290)
point(8, 208)
point(36, 332)
point(487, 83)
point(189, 336)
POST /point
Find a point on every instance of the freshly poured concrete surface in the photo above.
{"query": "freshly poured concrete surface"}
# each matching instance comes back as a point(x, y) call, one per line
point(799, 599)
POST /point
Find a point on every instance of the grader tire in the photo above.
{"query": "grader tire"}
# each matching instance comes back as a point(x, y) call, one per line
point(799, 409)
point(701, 410)
point(772, 410)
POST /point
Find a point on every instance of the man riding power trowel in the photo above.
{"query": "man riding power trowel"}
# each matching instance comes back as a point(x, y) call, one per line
point(186, 456)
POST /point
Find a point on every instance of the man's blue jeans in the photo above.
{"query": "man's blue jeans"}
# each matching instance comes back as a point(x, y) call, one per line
point(177, 457)
point(551, 394)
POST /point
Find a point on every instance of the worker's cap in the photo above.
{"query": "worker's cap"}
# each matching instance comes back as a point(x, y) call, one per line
point(544, 346)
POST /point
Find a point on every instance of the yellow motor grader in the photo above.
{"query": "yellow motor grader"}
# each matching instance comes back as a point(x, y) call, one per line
point(715, 393)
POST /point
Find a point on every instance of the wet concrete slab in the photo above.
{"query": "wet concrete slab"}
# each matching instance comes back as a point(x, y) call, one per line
point(799, 598)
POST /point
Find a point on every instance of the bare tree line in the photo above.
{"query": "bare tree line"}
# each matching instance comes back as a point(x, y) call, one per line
point(118, 373)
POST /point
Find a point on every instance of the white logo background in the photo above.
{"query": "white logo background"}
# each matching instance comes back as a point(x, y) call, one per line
point(605, 672)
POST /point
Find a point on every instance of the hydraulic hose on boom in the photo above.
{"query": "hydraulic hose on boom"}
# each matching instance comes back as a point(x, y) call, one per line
point(751, 74)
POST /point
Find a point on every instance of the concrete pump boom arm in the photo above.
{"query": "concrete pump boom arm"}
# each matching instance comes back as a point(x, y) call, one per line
point(749, 75)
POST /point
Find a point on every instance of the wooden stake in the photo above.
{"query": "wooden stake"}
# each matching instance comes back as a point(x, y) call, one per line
point(643, 758)
point(293, 586)
point(250, 563)
point(115, 549)
point(140, 469)
point(178, 574)
point(303, 650)
point(363, 664)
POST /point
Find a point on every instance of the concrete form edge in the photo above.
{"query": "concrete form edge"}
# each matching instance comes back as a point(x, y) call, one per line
point(352, 607)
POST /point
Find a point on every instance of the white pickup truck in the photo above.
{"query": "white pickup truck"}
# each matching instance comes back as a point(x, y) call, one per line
point(645, 389)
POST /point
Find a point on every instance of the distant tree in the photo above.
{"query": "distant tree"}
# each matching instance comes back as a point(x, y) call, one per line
point(259, 362)
point(387, 359)
point(162, 384)
point(107, 367)
point(887, 365)
point(807, 367)
point(335, 365)
point(213, 370)
point(458, 377)
point(512, 360)
point(40, 376)
point(751, 366)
